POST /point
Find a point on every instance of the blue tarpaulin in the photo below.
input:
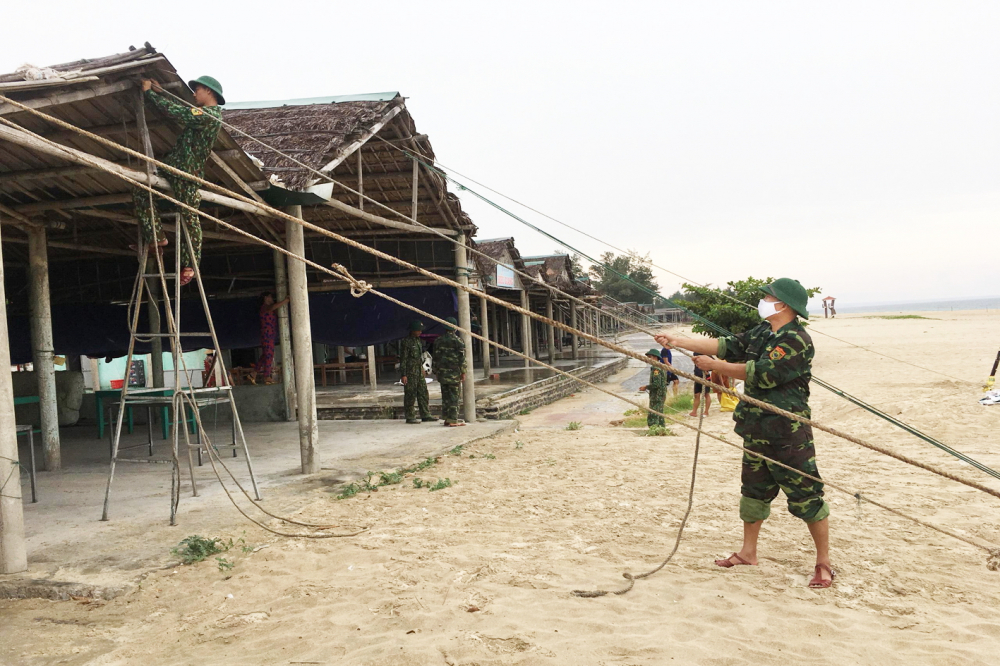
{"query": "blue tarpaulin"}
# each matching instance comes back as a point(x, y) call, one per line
point(337, 319)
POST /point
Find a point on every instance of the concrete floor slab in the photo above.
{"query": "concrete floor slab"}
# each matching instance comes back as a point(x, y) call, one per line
point(72, 552)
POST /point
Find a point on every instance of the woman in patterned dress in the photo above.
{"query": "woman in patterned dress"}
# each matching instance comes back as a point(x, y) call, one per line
point(268, 337)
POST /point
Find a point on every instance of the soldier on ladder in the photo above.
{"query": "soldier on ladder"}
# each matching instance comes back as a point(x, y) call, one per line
point(200, 127)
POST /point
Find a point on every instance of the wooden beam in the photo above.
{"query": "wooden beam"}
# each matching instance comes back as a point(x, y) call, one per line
point(345, 151)
point(235, 179)
point(128, 219)
point(69, 97)
point(76, 246)
point(80, 157)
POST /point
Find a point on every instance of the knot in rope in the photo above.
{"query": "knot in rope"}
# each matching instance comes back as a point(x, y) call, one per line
point(358, 287)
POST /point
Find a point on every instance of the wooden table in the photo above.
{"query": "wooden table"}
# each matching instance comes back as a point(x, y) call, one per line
point(347, 367)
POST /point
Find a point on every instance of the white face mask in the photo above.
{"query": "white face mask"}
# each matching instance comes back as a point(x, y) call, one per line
point(767, 309)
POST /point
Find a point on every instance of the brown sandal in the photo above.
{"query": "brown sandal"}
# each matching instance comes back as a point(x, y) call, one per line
point(817, 583)
point(726, 563)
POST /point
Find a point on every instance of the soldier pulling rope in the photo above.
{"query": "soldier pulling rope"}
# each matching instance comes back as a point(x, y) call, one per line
point(775, 360)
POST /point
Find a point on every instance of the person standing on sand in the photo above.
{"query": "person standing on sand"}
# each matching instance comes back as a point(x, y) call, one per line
point(657, 388)
point(775, 361)
point(701, 390)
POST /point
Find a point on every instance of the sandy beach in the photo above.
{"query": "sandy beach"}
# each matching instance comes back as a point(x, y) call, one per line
point(481, 572)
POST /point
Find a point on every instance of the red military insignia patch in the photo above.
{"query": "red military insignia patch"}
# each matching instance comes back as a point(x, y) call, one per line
point(656, 371)
point(777, 354)
point(195, 111)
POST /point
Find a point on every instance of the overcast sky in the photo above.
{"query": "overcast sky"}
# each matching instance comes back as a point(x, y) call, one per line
point(852, 145)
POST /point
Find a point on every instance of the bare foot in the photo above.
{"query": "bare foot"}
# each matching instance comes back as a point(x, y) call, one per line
point(693, 414)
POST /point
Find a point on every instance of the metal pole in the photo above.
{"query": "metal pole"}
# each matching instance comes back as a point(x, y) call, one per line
point(305, 384)
point(41, 345)
point(465, 321)
point(484, 311)
point(284, 336)
point(13, 550)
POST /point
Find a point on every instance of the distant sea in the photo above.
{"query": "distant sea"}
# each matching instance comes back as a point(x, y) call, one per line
point(922, 306)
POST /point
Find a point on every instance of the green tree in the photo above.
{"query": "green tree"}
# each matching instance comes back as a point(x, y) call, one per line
point(720, 308)
point(609, 277)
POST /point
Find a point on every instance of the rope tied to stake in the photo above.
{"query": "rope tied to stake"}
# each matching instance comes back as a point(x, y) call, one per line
point(358, 287)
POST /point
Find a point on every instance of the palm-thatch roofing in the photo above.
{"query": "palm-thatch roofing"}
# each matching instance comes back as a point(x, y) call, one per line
point(498, 251)
point(557, 270)
point(85, 209)
point(337, 135)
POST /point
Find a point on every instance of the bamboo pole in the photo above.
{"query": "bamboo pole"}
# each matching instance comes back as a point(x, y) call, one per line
point(372, 378)
point(551, 330)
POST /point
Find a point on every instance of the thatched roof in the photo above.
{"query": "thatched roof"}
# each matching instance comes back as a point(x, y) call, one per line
point(328, 134)
point(87, 210)
point(557, 270)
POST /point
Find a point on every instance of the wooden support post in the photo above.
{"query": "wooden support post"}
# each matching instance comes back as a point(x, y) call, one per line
point(551, 329)
point(416, 190)
point(95, 373)
point(372, 377)
point(361, 183)
point(464, 321)
point(496, 327)
point(341, 358)
point(573, 325)
point(484, 324)
point(526, 329)
point(13, 550)
point(285, 335)
point(305, 383)
point(41, 346)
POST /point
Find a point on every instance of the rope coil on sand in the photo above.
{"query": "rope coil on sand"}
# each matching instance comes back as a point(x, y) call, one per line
point(995, 553)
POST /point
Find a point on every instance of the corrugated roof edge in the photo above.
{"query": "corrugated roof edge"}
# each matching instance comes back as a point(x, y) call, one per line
point(303, 101)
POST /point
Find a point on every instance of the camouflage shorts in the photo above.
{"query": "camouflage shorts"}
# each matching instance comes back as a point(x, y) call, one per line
point(761, 481)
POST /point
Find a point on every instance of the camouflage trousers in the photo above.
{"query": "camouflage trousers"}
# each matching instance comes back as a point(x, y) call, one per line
point(761, 481)
point(450, 396)
point(415, 396)
point(149, 218)
point(656, 400)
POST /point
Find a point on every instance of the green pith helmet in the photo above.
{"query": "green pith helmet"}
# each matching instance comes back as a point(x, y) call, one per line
point(791, 293)
point(655, 353)
point(452, 323)
point(416, 325)
point(210, 83)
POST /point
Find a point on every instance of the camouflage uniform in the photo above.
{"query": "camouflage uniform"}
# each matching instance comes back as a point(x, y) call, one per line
point(778, 367)
point(411, 366)
point(199, 129)
point(449, 364)
point(657, 388)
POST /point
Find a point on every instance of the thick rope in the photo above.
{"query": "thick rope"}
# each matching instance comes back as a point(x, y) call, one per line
point(631, 578)
point(523, 312)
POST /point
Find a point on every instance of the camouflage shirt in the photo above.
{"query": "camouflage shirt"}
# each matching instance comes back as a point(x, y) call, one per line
point(657, 380)
point(411, 357)
point(449, 358)
point(199, 129)
point(779, 368)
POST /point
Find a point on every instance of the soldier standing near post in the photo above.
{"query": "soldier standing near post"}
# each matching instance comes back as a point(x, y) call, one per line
point(449, 365)
point(775, 360)
point(657, 388)
point(411, 367)
point(199, 129)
